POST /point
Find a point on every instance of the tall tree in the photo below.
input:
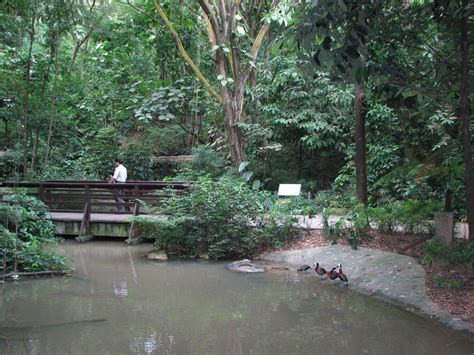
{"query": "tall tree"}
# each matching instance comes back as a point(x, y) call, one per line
point(342, 32)
point(236, 32)
point(464, 112)
point(31, 29)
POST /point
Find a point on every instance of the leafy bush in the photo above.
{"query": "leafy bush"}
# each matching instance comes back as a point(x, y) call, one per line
point(438, 280)
point(460, 253)
point(412, 216)
point(351, 227)
point(207, 161)
point(171, 234)
point(222, 217)
point(27, 235)
point(137, 159)
point(454, 283)
point(99, 157)
point(333, 198)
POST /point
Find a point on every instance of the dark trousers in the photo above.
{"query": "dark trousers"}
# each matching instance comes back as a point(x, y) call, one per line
point(118, 196)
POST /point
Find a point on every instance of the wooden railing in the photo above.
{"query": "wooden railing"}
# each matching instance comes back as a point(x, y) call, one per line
point(91, 196)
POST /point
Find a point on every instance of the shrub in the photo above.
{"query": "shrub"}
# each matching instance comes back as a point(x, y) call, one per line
point(222, 217)
point(333, 198)
point(456, 284)
point(99, 156)
point(171, 234)
point(438, 281)
point(351, 227)
point(207, 161)
point(412, 216)
point(27, 236)
point(460, 253)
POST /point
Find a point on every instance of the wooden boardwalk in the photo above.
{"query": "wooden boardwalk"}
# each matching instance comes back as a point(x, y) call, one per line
point(89, 208)
point(94, 217)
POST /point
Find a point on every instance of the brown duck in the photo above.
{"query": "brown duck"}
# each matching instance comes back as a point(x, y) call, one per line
point(332, 274)
point(340, 274)
point(319, 270)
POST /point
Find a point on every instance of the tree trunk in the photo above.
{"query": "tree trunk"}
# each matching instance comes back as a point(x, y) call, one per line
point(360, 155)
point(35, 150)
point(26, 99)
point(235, 137)
point(7, 133)
point(78, 44)
point(54, 56)
point(84, 54)
point(465, 119)
point(48, 143)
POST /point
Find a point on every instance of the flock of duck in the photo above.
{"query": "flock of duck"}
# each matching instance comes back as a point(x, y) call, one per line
point(335, 273)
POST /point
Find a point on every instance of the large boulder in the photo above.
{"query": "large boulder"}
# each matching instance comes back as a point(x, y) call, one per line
point(157, 255)
point(245, 265)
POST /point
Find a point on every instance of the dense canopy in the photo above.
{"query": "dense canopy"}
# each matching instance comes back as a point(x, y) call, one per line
point(370, 99)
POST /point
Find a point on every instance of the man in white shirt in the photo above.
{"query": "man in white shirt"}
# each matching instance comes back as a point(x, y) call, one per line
point(119, 177)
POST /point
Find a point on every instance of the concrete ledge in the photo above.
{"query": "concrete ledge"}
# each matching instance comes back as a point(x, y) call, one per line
point(395, 278)
point(461, 229)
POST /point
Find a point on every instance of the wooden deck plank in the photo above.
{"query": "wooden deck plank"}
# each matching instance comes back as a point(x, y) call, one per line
point(95, 217)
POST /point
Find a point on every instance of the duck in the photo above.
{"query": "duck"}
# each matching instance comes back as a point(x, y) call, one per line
point(332, 275)
point(303, 267)
point(341, 275)
point(319, 270)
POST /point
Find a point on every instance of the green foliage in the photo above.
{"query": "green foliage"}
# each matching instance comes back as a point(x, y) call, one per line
point(410, 216)
point(333, 199)
point(438, 281)
point(99, 157)
point(460, 253)
point(441, 282)
point(139, 101)
point(456, 284)
point(358, 223)
point(27, 236)
point(222, 217)
point(352, 226)
point(69, 168)
point(137, 158)
point(172, 235)
point(207, 161)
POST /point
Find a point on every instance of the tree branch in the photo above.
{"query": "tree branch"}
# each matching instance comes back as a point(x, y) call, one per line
point(206, 7)
point(184, 53)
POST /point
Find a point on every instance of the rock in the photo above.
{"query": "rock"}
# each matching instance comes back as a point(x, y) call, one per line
point(245, 265)
point(204, 256)
point(157, 255)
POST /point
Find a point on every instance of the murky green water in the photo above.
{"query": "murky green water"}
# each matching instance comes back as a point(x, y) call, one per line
point(120, 303)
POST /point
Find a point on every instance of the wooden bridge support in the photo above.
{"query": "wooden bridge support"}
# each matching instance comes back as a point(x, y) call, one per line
point(87, 208)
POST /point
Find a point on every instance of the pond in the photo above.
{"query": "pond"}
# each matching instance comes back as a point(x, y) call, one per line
point(117, 302)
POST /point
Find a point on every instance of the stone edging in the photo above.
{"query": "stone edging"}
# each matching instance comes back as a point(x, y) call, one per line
point(394, 278)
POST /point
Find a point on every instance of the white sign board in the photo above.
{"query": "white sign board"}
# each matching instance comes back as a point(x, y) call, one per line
point(289, 190)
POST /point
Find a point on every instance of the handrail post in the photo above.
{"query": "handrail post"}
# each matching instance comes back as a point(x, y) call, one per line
point(41, 191)
point(86, 219)
point(85, 229)
point(136, 191)
point(87, 193)
point(132, 229)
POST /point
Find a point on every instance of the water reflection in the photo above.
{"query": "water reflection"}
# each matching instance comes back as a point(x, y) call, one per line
point(120, 288)
point(147, 344)
point(202, 308)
